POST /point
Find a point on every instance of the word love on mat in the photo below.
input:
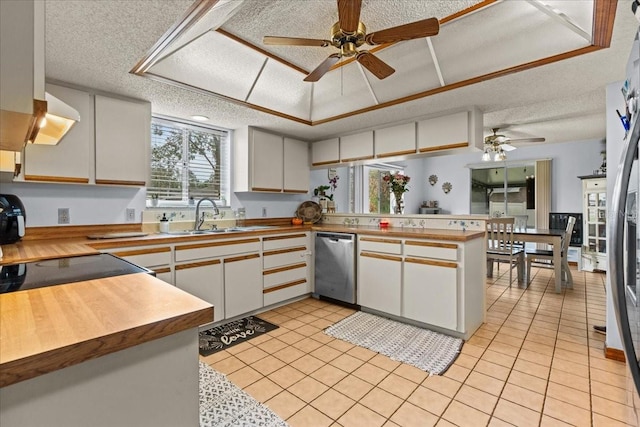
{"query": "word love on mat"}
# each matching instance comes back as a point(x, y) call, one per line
point(224, 336)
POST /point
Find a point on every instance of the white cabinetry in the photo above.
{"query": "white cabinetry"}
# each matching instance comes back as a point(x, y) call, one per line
point(594, 214)
point(445, 132)
point(70, 160)
point(325, 152)
point(380, 274)
point(204, 280)
point(242, 284)
point(123, 139)
point(265, 162)
point(156, 258)
point(356, 147)
point(286, 267)
point(396, 140)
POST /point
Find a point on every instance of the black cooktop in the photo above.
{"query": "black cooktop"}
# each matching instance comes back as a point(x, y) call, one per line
point(38, 274)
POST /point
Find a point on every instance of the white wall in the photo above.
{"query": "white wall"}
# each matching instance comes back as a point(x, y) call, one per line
point(569, 160)
point(88, 204)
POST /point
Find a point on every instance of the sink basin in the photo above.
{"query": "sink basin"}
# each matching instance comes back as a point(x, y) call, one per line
point(251, 228)
point(219, 230)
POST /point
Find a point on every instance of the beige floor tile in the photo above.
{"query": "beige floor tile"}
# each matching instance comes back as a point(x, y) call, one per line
point(381, 401)
point(466, 361)
point(398, 385)
point(465, 416)
point(309, 416)
point(361, 416)
point(496, 422)
point(544, 340)
point(492, 370)
point(479, 342)
point(346, 362)
point(608, 392)
point(530, 368)
point(239, 347)
point(291, 337)
point(613, 366)
point(516, 414)
point(566, 412)
point(570, 367)
point(322, 323)
point(320, 313)
point(272, 345)
point(485, 383)
point(228, 365)
point(251, 355)
point(535, 357)
point(611, 409)
point(291, 324)
point(215, 357)
point(384, 362)
point(472, 350)
point(322, 337)
point(286, 376)
point(307, 364)
point(245, 376)
point(569, 380)
point(498, 358)
point(306, 318)
point(329, 375)
point(608, 378)
point(362, 353)
point(523, 397)
point(504, 348)
point(548, 421)
point(477, 399)
point(308, 389)
point(263, 390)
point(285, 404)
point(307, 345)
point(289, 354)
point(409, 415)
point(571, 356)
point(333, 404)
point(267, 365)
point(308, 330)
point(429, 400)
point(340, 345)
point(569, 395)
point(604, 421)
point(457, 373)
point(443, 385)
point(409, 372)
point(370, 373)
point(325, 353)
point(353, 387)
point(443, 423)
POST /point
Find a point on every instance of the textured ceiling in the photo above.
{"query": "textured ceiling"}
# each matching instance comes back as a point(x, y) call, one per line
point(96, 43)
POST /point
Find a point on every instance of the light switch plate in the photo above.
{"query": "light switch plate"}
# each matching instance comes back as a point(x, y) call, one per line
point(130, 215)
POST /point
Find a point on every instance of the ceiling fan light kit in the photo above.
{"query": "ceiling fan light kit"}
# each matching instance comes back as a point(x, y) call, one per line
point(348, 34)
point(496, 146)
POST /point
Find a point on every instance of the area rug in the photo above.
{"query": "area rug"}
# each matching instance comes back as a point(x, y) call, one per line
point(224, 336)
point(223, 404)
point(428, 350)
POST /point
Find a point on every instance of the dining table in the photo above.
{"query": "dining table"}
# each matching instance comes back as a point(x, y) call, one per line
point(549, 236)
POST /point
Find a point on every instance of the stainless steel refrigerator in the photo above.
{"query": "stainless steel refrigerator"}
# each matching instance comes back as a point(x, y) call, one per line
point(624, 234)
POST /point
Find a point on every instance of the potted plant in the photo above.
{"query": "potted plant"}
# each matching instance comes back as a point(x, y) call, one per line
point(397, 183)
point(154, 199)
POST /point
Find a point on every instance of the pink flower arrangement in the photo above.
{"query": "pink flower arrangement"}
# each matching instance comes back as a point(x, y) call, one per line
point(397, 182)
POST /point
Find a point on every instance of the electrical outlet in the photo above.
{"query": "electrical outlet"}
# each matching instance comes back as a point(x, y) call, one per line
point(63, 216)
point(130, 216)
point(264, 212)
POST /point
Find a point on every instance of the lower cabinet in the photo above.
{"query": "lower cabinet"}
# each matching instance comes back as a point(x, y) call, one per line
point(430, 292)
point(204, 280)
point(379, 282)
point(243, 284)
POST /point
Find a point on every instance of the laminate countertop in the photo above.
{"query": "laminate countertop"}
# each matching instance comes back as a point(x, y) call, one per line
point(46, 329)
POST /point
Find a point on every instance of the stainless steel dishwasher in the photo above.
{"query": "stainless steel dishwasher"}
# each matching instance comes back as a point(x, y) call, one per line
point(335, 267)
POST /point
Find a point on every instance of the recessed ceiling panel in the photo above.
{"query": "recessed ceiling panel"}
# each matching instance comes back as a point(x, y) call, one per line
point(214, 63)
point(415, 71)
point(579, 12)
point(281, 88)
point(505, 35)
point(340, 91)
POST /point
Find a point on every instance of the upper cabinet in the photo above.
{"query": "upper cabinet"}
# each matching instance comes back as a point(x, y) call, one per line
point(69, 161)
point(356, 147)
point(325, 152)
point(21, 70)
point(266, 162)
point(444, 132)
point(396, 140)
point(123, 139)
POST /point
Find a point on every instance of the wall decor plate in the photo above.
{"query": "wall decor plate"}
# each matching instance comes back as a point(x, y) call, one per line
point(446, 187)
point(433, 179)
point(309, 211)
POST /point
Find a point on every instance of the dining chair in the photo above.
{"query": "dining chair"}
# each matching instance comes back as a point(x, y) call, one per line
point(547, 255)
point(501, 248)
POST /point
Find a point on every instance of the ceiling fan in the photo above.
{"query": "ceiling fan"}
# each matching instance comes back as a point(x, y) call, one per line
point(349, 33)
point(498, 145)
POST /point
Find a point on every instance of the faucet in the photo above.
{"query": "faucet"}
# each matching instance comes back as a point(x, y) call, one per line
point(200, 220)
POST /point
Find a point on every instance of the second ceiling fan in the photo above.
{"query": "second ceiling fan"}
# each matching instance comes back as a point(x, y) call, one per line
point(349, 33)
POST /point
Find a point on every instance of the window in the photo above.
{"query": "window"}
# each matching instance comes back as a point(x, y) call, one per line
point(370, 194)
point(188, 161)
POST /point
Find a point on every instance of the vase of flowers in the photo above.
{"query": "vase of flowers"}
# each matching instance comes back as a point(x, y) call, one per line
point(398, 185)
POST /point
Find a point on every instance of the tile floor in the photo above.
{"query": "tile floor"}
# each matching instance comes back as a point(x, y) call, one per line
point(535, 362)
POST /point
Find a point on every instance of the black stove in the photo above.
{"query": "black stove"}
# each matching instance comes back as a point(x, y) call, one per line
point(38, 274)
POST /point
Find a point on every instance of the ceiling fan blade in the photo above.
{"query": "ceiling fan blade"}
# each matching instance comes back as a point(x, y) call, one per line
point(322, 69)
point(293, 41)
point(525, 140)
point(375, 65)
point(507, 147)
point(425, 28)
point(349, 15)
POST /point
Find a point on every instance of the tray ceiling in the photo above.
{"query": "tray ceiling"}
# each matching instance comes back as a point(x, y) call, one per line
point(223, 53)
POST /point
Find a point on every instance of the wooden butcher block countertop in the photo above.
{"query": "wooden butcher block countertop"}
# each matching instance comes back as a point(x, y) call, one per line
point(409, 232)
point(50, 328)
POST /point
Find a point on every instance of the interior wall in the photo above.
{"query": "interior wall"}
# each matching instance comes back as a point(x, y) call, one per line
point(569, 160)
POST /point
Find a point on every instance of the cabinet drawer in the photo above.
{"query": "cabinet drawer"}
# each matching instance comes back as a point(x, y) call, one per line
point(284, 275)
point(216, 249)
point(282, 257)
point(285, 292)
point(595, 184)
point(374, 244)
point(281, 242)
point(148, 257)
point(438, 250)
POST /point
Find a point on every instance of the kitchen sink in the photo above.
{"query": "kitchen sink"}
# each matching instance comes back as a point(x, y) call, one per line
point(219, 230)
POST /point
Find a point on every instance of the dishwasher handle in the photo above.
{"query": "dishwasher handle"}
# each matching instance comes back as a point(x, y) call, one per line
point(336, 237)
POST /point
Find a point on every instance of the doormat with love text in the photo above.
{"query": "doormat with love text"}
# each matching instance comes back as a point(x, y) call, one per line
point(224, 336)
